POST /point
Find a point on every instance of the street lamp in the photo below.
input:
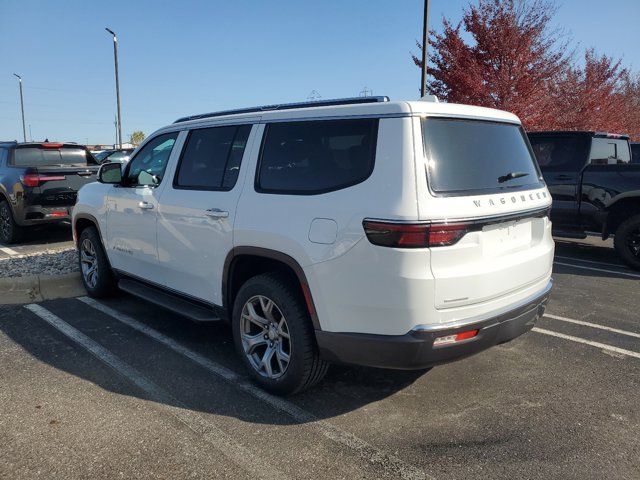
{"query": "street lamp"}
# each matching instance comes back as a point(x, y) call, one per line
point(115, 57)
point(24, 130)
point(425, 44)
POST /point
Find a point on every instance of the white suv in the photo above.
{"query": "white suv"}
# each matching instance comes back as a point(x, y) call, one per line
point(361, 231)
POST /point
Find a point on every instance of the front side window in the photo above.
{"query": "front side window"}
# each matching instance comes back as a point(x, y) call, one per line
point(475, 155)
point(149, 164)
point(316, 156)
point(559, 152)
point(609, 151)
point(211, 158)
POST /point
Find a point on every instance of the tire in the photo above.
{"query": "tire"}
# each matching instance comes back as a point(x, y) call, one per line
point(288, 317)
point(627, 241)
point(97, 277)
point(10, 231)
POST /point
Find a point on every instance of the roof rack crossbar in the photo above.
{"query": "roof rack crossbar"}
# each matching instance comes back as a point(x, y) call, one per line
point(287, 106)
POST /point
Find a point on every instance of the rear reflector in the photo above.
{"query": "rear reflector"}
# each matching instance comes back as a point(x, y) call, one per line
point(414, 235)
point(458, 337)
point(35, 180)
point(57, 213)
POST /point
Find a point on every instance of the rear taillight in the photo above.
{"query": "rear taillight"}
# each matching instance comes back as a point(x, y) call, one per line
point(35, 180)
point(414, 235)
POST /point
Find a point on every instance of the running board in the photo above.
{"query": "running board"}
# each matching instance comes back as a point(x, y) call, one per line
point(174, 303)
point(569, 234)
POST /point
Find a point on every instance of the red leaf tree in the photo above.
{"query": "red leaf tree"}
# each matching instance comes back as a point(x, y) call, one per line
point(516, 61)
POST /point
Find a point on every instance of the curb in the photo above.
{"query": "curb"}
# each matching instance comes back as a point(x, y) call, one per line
point(37, 288)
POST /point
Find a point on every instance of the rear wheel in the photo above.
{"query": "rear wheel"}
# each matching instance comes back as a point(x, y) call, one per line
point(10, 231)
point(97, 277)
point(274, 336)
point(627, 241)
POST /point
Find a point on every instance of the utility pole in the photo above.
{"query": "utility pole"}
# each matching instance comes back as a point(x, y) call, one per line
point(115, 123)
point(30, 134)
point(115, 58)
point(425, 44)
point(24, 130)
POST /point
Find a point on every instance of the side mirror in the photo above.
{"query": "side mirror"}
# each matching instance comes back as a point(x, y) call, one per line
point(110, 173)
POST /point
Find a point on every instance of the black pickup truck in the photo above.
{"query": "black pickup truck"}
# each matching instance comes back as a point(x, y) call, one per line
point(39, 183)
point(594, 185)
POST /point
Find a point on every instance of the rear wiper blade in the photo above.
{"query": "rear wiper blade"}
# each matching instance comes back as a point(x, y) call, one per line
point(511, 176)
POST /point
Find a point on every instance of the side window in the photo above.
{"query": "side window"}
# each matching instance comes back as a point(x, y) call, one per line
point(149, 164)
point(609, 151)
point(560, 153)
point(313, 157)
point(211, 158)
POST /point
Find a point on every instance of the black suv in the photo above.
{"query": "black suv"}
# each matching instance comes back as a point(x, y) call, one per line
point(594, 185)
point(39, 183)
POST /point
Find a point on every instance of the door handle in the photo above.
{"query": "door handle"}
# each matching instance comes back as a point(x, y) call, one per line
point(145, 205)
point(216, 213)
point(564, 177)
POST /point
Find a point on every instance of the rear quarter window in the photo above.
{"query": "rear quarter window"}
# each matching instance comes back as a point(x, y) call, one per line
point(312, 157)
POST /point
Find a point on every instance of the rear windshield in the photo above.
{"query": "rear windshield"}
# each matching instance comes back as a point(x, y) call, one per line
point(34, 156)
point(473, 155)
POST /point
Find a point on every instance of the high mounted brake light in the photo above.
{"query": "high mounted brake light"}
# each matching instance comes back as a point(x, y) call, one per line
point(52, 145)
point(35, 180)
point(414, 235)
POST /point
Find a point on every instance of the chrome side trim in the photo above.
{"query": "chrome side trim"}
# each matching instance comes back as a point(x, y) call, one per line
point(530, 301)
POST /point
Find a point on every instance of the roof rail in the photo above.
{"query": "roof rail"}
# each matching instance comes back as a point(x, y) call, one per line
point(287, 106)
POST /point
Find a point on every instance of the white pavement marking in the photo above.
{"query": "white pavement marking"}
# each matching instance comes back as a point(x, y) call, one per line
point(593, 325)
point(584, 267)
point(196, 422)
point(389, 462)
point(602, 346)
point(9, 251)
point(591, 261)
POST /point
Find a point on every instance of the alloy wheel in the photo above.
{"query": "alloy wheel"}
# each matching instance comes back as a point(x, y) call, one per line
point(5, 223)
point(633, 242)
point(89, 263)
point(265, 337)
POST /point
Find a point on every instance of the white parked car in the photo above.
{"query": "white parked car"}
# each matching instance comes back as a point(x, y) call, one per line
point(360, 231)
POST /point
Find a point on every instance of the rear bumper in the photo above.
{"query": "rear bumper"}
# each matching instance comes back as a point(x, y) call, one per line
point(39, 214)
point(415, 350)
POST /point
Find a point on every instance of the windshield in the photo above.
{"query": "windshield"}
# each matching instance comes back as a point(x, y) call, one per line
point(35, 156)
point(474, 155)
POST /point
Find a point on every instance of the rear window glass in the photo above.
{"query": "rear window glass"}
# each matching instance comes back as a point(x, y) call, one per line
point(609, 151)
point(472, 155)
point(211, 158)
point(33, 156)
point(316, 156)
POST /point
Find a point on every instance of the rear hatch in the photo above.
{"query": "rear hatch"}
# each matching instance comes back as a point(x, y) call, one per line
point(55, 171)
point(489, 208)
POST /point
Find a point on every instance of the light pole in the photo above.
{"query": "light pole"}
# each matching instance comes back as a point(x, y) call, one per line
point(425, 44)
point(115, 58)
point(24, 130)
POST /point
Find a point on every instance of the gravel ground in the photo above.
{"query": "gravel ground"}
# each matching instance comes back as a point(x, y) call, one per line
point(47, 262)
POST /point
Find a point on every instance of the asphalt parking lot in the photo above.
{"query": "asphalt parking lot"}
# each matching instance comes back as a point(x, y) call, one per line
point(122, 389)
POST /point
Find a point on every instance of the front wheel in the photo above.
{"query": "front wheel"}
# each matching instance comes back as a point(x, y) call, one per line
point(97, 277)
point(627, 241)
point(274, 336)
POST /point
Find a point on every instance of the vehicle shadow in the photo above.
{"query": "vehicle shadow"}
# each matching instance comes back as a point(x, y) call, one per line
point(343, 390)
point(593, 258)
point(43, 234)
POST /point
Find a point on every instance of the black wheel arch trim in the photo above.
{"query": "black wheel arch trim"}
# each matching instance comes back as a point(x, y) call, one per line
point(272, 255)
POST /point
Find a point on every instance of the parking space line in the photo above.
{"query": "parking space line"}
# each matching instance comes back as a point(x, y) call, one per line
point(389, 462)
point(591, 261)
point(602, 346)
point(592, 325)
point(584, 267)
point(9, 251)
point(240, 455)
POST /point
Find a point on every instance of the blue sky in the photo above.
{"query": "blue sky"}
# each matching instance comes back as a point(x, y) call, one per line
point(180, 58)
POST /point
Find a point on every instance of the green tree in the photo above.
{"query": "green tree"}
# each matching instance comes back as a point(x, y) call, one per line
point(137, 137)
